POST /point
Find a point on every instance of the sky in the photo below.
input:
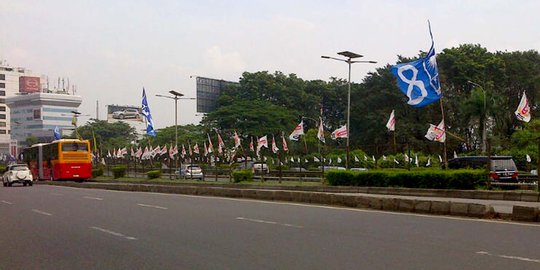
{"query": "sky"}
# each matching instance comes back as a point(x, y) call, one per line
point(111, 49)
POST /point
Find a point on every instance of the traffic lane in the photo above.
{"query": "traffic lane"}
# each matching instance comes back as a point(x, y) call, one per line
point(205, 236)
point(402, 230)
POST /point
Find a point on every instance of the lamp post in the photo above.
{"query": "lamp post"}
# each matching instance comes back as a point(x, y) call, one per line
point(484, 135)
point(175, 96)
point(349, 60)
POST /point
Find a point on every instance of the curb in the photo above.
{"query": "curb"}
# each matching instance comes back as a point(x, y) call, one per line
point(473, 210)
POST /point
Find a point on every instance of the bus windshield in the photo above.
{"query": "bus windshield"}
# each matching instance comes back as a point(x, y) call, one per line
point(78, 147)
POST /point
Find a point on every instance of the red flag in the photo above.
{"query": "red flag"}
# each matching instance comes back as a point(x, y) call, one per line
point(196, 149)
point(340, 133)
point(275, 149)
point(284, 143)
point(236, 140)
point(251, 147)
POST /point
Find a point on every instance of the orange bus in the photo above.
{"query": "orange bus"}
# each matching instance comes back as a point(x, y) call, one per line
point(65, 159)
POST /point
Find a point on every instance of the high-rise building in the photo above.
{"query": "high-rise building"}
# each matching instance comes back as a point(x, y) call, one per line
point(11, 80)
point(38, 114)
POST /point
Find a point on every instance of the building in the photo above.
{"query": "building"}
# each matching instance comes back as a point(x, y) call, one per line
point(208, 92)
point(38, 114)
point(13, 80)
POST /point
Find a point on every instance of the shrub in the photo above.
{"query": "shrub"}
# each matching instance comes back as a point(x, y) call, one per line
point(153, 174)
point(97, 171)
point(242, 175)
point(426, 178)
point(119, 171)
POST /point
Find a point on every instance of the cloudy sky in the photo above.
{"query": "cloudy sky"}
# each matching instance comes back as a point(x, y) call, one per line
point(111, 49)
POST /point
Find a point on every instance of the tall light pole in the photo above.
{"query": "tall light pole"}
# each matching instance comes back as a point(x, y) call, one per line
point(175, 96)
point(350, 56)
point(484, 135)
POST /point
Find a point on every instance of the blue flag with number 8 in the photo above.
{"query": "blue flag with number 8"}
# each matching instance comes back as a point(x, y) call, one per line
point(419, 80)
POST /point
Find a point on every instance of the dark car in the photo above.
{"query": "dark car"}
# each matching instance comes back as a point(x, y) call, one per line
point(501, 168)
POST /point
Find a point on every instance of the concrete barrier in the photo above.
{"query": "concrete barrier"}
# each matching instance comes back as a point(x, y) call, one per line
point(520, 213)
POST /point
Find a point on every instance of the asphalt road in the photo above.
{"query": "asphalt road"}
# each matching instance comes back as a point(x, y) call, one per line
point(51, 227)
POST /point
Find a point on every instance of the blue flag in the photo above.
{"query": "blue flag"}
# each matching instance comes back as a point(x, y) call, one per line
point(146, 112)
point(419, 80)
point(57, 135)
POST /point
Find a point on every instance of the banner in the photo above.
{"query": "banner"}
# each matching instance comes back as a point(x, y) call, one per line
point(523, 111)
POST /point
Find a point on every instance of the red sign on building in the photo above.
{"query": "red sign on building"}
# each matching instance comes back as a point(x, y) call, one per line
point(29, 84)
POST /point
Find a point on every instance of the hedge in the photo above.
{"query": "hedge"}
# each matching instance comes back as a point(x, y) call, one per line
point(153, 174)
point(97, 171)
point(434, 179)
point(242, 175)
point(119, 171)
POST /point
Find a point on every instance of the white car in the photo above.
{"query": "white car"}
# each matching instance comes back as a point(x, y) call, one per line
point(17, 173)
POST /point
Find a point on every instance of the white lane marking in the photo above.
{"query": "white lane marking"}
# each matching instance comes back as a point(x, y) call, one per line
point(93, 198)
point(269, 222)
point(6, 202)
point(41, 212)
point(152, 206)
point(508, 257)
point(117, 234)
point(500, 222)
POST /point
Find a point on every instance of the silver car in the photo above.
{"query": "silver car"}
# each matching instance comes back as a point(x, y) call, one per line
point(126, 113)
point(190, 172)
point(17, 173)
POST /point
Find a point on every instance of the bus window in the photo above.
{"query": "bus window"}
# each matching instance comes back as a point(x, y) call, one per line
point(78, 147)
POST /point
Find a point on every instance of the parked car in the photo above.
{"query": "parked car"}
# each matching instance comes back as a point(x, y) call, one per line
point(17, 173)
point(328, 168)
point(258, 167)
point(501, 168)
point(126, 113)
point(359, 169)
point(190, 171)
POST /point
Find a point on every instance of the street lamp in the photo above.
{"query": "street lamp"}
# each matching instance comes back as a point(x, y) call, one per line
point(175, 96)
point(349, 55)
point(484, 135)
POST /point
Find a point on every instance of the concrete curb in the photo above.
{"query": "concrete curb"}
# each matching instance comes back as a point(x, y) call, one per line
point(345, 200)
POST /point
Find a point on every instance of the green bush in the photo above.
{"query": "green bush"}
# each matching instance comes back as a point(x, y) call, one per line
point(242, 175)
point(426, 178)
point(97, 171)
point(119, 171)
point(153, 174)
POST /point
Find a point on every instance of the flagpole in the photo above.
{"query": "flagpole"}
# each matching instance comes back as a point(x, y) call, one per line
point(445, 128)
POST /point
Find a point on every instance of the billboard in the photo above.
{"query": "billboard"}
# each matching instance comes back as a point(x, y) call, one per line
point(208, 92)
point(123, 113)
point(29, 84)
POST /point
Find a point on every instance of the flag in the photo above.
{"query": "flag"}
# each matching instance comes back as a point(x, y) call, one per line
point(205, 149)
point(236, 140)
point(338, 160)
point(419, 80)
point(210, 145)
point(196, 149)
point(262, 141)
point(340, 133)
point(183, 153)
point(315, 159)
point(138, 153)
point(284, 143)
point(320, 133)
point(275, 149)
point(132, 152)
point(528, 158)
point(108, 153)
point(391, 124)
point(523, 111)
point(163, 150)
point(298, 130)
point(373, 158)
point(384, 157)
point(436, 133)
point(156, 151)
point(251, 147)
point(146, 112)
point(396, 161)
point(455, 155)
point(428, 162)
point(330, 162)
point(440, 159)
point(221, 144)
point(173, 151)
point(190, 151)
point(57, 135)
point(356, 158)
point(103, 161)
point(416, 160)
point(365, 158)
point(406, 157)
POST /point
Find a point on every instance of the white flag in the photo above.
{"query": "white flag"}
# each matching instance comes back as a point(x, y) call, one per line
point(356, 159)
point(338, 160)
point(440, 159)
point(416, 160)
point(315, 159)
point(298, 130)
point(373, 158)
point(428, 162)
point(340, 133)
point(523, 111)
point(391, 124)
point(275, 149)
point(528, 158)
point(436, 133)
point(455, 155)
point(396, 161)
point(384, 157)
point(320, 133)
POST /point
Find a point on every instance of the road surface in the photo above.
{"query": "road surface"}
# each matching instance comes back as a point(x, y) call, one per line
point(51, 227)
